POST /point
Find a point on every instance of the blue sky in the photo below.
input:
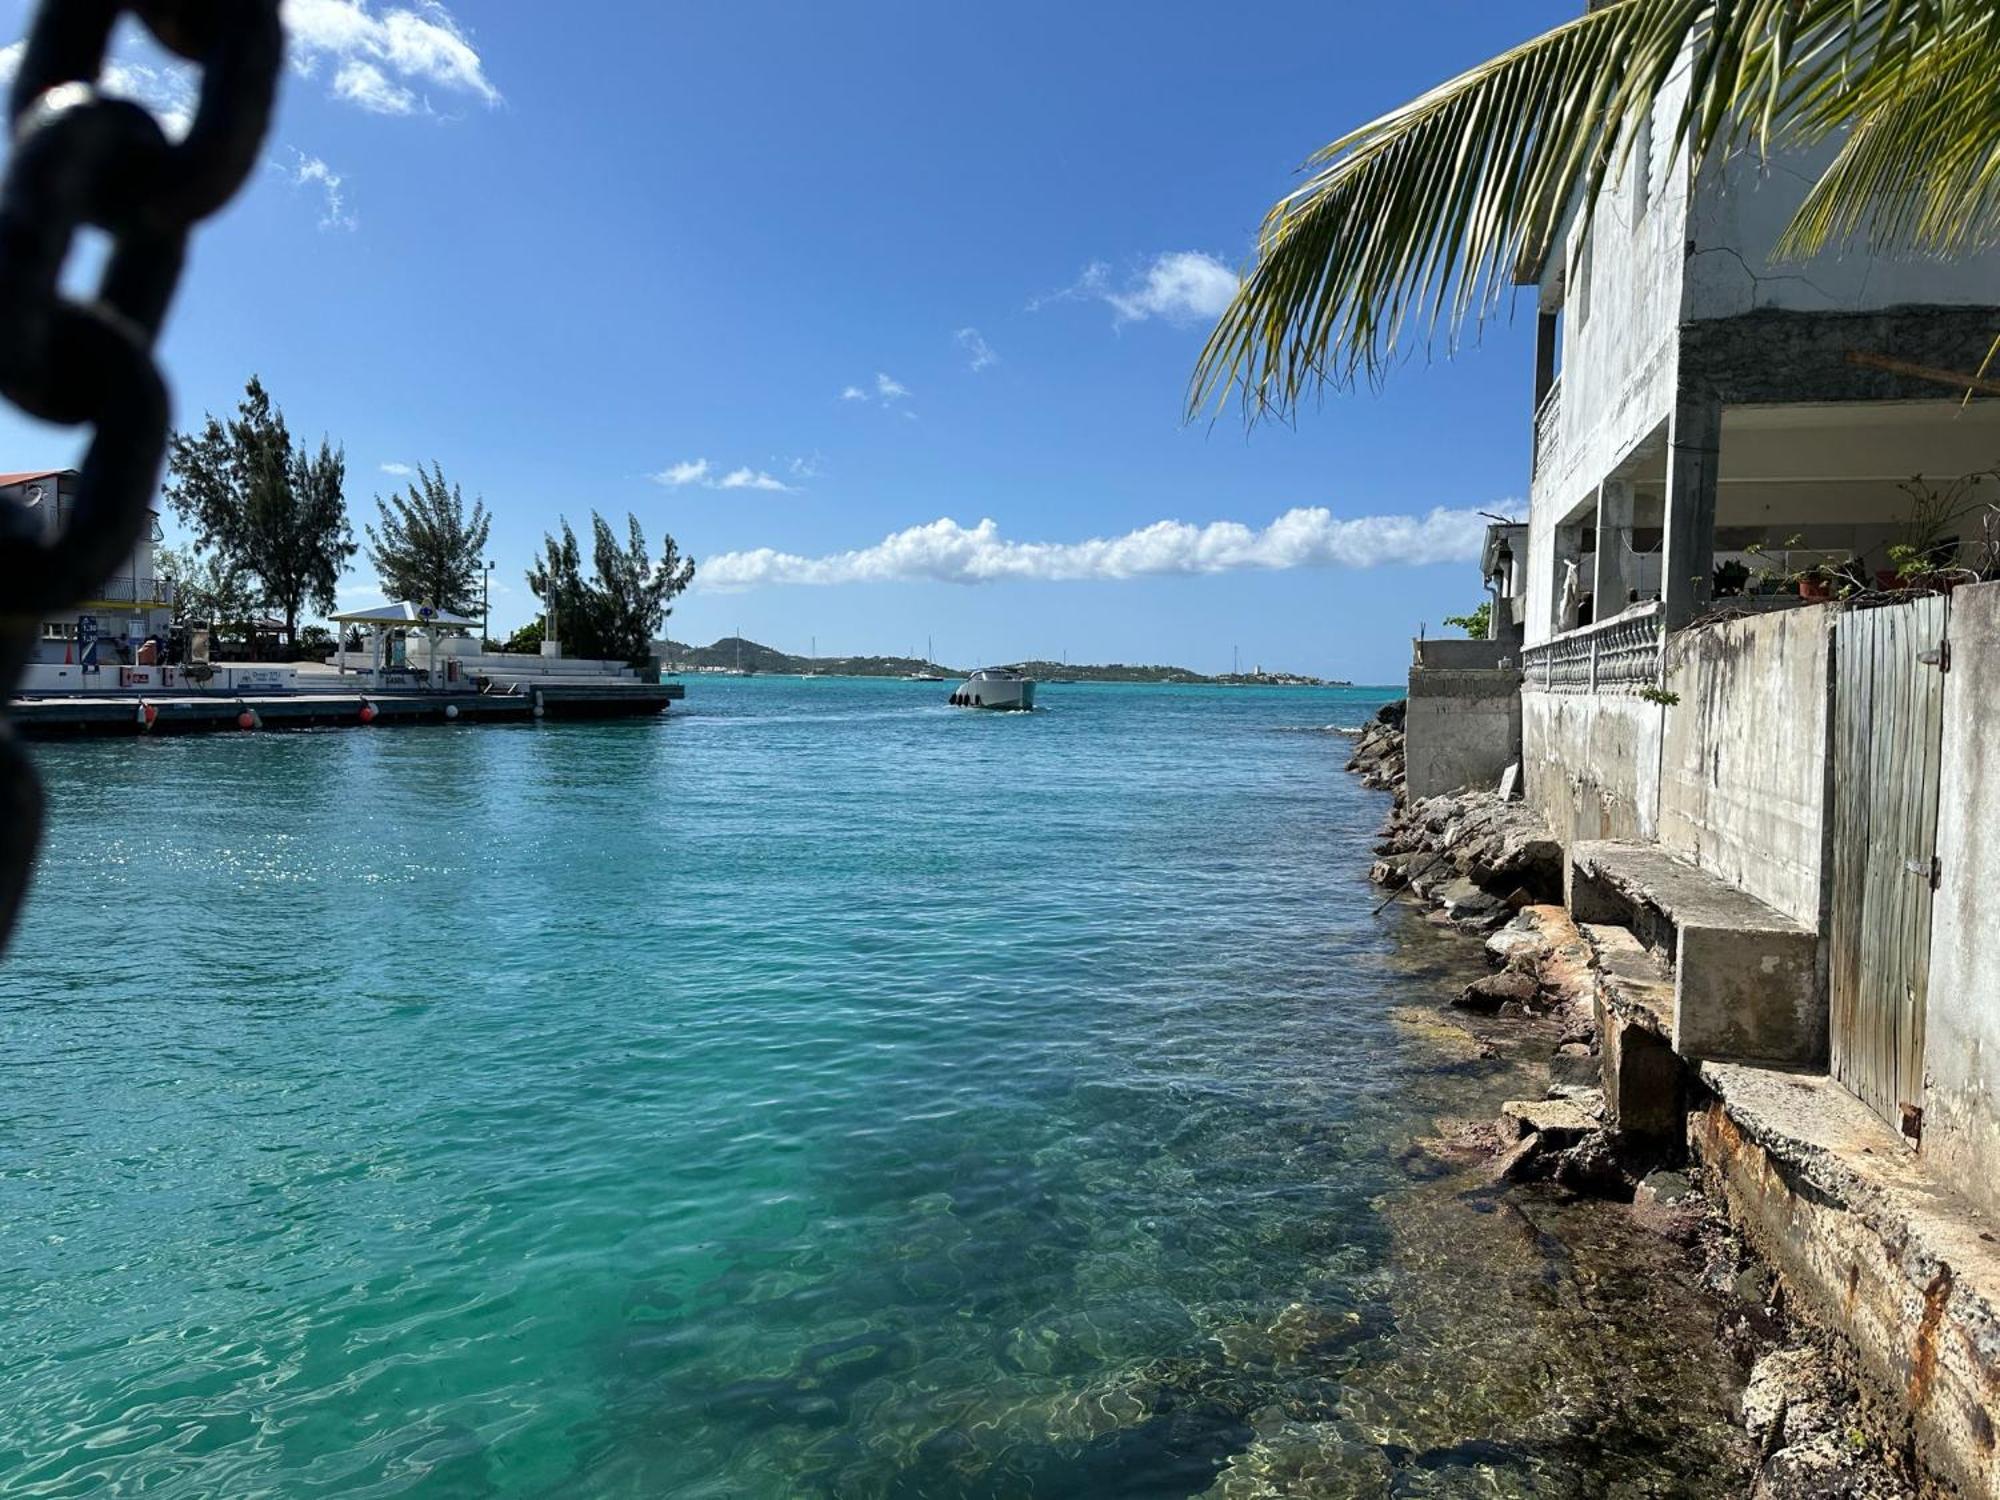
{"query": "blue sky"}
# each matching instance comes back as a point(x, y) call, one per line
point(572, 253)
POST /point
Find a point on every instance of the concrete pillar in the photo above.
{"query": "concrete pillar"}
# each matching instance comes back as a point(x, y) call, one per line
point(1687, 564)
point(1614, 573)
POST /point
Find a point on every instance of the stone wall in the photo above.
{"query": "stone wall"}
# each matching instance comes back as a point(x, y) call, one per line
point(1743, 764)
point(1962, 1044)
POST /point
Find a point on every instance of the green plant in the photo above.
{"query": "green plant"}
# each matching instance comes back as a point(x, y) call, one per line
point(1423, 216)
point(527, 641)
point(1659, 695)
point(1930, 543)
point(617, 613)
point(1478, 625)
point(428, 549)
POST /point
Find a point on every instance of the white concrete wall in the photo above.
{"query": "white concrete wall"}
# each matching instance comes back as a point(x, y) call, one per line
point(1743, 762)
point(1461, 727)
point(1590, 763)
point(1962, 1043)
point(1741, 206)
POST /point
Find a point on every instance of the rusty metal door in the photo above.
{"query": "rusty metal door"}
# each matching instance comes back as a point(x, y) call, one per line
point(1887, 731)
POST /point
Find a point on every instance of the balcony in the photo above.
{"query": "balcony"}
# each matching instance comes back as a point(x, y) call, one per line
point(1625, 654)
point(1548, 428)
point(134, 591)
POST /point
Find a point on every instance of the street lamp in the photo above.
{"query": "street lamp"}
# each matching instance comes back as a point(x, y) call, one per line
point(485, 607)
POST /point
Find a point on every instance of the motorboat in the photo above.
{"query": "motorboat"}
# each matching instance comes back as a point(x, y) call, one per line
point(995, 687)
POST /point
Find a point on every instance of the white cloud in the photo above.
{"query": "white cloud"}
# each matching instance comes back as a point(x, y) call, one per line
point(979, 354)
point(310, 171)
point(853, 393)
point(400, 470)
point(1180, 286)
point(698, 471)
point(890, 389)
point(945, 551)
point(382, 59)
point(364, 84)
point(887, 391)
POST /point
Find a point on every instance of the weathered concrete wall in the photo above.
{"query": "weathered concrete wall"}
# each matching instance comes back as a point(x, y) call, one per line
point(1741, 206)
point(1962, 1041)
point(1869, 1249)
point(1743, 761)
point(1590, 763)
point(1462, 728)
point(1463, 656)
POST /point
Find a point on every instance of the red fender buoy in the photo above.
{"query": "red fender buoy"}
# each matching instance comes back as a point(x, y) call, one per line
point(246, 720)
point(367, 713)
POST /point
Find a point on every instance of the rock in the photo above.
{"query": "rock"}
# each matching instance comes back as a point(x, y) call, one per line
point(1576, 1065)
point(1593, 1166)
point(1519, 943)
point(1392, 713)
point(1778, 1380)
point(1825, 1467)
point(1665, 1187)
point(1465, 901)
point(1516, 1163)
point(1488, 994)
point(1560, 1122)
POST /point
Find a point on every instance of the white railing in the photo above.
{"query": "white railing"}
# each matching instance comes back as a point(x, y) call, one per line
point(1548, 426)
point(1622, 655)
point(129, 590)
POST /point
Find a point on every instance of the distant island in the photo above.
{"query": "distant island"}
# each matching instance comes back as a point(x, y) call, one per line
point(735, 654)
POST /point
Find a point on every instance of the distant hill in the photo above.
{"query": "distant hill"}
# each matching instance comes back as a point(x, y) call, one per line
point(734, 652)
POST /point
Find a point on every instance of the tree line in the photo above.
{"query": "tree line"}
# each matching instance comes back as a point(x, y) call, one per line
point(268, 517)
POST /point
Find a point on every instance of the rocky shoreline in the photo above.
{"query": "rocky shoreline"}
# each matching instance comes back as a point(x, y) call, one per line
point(1489, 868)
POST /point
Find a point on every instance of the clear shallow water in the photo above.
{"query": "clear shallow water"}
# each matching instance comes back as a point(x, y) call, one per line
point(821, 1091)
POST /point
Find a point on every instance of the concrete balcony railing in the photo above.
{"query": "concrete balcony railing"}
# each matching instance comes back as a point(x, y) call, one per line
point(1625, 654)
point(135, 591)
point(1548, 427)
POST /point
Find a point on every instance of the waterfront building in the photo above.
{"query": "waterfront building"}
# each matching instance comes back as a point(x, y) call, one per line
point(134, 605)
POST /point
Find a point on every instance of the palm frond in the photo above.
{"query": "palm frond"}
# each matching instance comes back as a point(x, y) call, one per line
point(1419, 218)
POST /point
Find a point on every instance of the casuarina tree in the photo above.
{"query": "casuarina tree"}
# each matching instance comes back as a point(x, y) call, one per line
point(265, 506)
point(619, 612)
point(428, 549)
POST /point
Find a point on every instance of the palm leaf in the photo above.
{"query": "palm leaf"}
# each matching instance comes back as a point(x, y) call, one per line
point(1419, 218)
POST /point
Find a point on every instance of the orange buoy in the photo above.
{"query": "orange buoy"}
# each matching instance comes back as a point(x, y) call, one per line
point(246, 720)
point(367, 712)
point(148, 715)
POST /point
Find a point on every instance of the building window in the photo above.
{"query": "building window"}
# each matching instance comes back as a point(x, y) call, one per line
point(56, 630)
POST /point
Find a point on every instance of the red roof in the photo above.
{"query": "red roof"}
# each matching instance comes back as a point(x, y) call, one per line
point(7, 479)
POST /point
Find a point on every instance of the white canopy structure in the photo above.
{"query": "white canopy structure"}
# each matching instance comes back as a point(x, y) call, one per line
point(383, 619)
point(389, 616)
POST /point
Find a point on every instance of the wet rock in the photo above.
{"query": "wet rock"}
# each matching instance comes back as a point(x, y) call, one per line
point(1392, 714)
point(1560, 1122)
point(1486, 995)
point(1517, 1162)
point(1593, 1167)
point(1666, 1188)
point(1470, 903)
point(1831, 1466)
point(1518, 944)
point(1576, 1065)
point(1780, 1379)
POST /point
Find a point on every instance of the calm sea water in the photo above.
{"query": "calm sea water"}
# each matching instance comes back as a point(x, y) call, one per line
point(818, 1092)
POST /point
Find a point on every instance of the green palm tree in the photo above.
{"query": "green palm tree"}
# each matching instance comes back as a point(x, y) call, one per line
point(1417, 221)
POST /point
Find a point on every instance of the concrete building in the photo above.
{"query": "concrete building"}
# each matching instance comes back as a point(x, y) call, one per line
point(133, 605)
point(1783, 800)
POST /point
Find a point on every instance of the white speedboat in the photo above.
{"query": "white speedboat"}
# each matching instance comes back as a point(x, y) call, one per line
point(995, 687)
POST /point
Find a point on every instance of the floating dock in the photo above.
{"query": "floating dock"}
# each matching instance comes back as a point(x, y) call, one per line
point(185, 712)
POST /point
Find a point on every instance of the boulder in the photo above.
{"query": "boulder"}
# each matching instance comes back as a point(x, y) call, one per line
point(1575, 1064)
point(1559, 1122)
point(1487, 994)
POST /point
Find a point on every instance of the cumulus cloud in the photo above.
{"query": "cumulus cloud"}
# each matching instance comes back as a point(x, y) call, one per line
point(979, 354)
point(311, 172)
point(1181, 286)
point(945, 551)
point(699, 472)
point(400, 470)
point(382, 59)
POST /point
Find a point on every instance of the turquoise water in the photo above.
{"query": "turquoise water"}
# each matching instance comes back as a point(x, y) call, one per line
point(818, 1092)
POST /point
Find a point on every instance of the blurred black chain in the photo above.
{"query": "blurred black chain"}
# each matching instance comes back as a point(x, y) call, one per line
point(81, 159)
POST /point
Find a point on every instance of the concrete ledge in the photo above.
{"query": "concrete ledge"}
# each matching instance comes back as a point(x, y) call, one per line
point(1746, 976)
point(1640, 1072)
point(1873, 1247)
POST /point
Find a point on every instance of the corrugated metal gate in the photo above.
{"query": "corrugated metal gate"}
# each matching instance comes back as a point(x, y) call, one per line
point(1888, 730)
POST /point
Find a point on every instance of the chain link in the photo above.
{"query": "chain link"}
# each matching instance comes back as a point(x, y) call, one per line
point(81, 160)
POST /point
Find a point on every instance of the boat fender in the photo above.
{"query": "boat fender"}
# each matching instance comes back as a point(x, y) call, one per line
point(148, 715)
point(451, 710)
point(246, 720)
point(368, 712)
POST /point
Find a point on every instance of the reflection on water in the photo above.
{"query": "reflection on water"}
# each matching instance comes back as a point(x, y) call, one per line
point(716, 1108)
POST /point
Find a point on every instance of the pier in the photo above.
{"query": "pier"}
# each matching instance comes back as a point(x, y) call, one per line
point(185, 712)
